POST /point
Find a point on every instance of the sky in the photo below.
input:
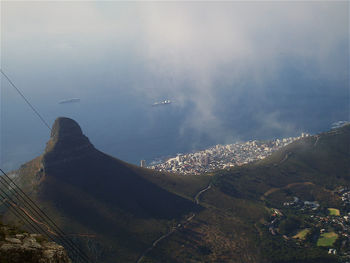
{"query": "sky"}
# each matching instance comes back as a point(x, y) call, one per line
point(235, 70)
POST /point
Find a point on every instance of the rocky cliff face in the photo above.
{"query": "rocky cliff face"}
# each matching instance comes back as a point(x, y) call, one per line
point(20, 247)
point(67, 143)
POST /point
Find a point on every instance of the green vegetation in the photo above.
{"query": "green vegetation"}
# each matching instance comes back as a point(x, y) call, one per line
point(290, 225)
point(327, 239)
point(302, 234)
point(185, 186)
point(128, 207)
point(302, 162)
point(334, 212)
point(90, 192)
point(278, 250)
point(308, 171)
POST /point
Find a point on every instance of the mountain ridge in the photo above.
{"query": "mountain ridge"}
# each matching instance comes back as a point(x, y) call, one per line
point(137, 206)
point(89, 191)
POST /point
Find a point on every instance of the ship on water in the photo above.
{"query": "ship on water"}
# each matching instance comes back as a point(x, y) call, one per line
point(72, 100)
point(164, 102)
point(339, 124)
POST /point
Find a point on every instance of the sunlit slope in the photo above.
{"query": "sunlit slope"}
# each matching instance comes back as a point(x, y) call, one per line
point(234, 225)
point(127, 207)
point(322, 160)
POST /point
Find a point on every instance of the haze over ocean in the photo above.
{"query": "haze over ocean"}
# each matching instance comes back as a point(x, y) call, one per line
point(232, 71)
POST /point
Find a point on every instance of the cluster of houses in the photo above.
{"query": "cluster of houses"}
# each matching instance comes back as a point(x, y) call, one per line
point(276, 217)
point(302, 205)
point(223, 156)
point(344, 193)
point(324, 219)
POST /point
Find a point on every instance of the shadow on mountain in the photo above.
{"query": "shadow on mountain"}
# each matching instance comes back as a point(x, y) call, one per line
point(71, 162)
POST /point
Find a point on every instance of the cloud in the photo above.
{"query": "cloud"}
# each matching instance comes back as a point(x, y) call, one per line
point(243, 45)
point(197, 53)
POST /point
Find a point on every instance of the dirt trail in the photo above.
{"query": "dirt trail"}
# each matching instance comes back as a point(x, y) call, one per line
point(48, 229)
point(272, 190)
point(179, 226)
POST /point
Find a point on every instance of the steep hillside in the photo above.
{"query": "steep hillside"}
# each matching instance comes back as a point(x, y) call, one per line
point(323, 160)
point(87, 191)
point(72, 160)
point(240, 206)
point(123, 213)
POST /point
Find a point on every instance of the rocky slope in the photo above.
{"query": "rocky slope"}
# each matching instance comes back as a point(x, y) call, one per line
point(18, 247)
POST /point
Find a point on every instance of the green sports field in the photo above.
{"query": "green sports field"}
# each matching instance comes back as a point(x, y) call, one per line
point(302, 234)
point(334, 212)
point(327, 239)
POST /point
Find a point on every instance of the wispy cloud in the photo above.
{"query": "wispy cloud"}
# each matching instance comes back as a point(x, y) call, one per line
point(199, 53)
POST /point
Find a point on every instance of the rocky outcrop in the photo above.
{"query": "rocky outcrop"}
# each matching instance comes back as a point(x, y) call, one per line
point(19, 247)
point(67, 143)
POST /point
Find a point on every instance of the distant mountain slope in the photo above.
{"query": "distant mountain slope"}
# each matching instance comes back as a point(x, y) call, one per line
point(234, 225)
point(323, 160)
point(87, 190)
point(125, 208)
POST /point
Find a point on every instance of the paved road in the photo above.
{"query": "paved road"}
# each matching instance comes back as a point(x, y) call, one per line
point(201, 192)
point(284, 159)
point(317, 138)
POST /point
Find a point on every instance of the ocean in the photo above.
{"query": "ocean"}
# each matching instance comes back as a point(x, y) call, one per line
point(232, 72)
point(123, 124)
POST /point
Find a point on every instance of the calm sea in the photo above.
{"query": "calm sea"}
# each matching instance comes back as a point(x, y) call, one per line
point(125, 125)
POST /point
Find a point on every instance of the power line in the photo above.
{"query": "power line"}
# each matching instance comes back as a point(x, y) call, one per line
point(43, 216)
point(18, 215)
point(25, 99)
point(37, 229)
point(51, 235)
point(21, 214)
point(67, 242)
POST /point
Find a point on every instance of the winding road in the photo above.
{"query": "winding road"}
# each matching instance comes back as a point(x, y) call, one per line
point(288, 154)
point(317, 138)
point(179, 226)
point(272, 190)
point(201, 192)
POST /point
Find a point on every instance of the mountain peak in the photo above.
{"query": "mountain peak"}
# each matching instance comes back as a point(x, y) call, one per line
point(70, 161)
point(67, 142)
point(65, 127)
